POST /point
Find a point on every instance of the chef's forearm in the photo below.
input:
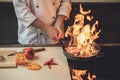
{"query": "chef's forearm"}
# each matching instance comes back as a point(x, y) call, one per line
point(60, 22)
point(40, 24)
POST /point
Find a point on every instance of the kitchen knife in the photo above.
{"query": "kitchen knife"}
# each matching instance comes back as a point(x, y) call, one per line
point(36, 50)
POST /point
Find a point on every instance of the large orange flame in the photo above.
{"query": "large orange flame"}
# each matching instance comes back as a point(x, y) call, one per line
point(82, 35)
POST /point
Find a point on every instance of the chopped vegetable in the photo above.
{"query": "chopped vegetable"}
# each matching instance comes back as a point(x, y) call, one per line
point(20, 59)
point(50, 63)
point(29, 53)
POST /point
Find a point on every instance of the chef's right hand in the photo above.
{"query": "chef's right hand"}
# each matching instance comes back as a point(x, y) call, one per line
point(52, 33)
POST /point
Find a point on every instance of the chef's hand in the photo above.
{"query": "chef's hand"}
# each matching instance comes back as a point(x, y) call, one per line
point(60, 33)
point(51, 31)
point(59, 26)
point(52, 34)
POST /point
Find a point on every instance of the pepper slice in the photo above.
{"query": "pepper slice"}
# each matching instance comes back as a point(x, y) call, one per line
point(20, 59)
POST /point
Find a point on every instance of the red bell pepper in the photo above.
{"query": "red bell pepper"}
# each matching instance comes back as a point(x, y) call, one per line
point(29, 53)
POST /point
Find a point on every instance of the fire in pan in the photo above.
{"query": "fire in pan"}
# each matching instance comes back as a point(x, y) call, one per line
point(81, 44)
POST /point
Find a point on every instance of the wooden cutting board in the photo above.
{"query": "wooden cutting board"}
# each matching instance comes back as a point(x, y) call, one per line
point(9, 61)
point(57, 72)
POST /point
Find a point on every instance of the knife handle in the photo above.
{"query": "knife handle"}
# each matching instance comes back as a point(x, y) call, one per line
point(39, 49)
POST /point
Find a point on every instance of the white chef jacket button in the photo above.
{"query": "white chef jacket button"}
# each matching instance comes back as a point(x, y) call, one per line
point(37, 6)
point(53, 3)
point(41, 34)
point(53, 17)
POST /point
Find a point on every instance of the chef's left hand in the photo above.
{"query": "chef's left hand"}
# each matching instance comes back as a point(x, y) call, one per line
point(59, 26)
point(60, 34)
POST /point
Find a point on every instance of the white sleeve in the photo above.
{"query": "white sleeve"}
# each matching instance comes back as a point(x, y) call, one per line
point(23, 12)
point(65, 8)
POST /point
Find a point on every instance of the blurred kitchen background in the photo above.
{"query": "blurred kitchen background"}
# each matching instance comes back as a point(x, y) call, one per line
point(106, 11)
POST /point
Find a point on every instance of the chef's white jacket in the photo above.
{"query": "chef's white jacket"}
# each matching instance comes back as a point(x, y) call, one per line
point(46, 10)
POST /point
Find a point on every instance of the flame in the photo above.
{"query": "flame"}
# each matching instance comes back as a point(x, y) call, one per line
point(82, 35)
point(78, 75)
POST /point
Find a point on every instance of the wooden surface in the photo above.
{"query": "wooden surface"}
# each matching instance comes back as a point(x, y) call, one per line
point(9, 61)
point(57, 72)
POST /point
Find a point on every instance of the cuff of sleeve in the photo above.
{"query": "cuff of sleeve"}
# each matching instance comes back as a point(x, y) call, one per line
point(65, 10)
point(28, 19)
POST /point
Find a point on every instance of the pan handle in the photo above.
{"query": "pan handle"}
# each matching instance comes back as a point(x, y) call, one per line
point(64, 42)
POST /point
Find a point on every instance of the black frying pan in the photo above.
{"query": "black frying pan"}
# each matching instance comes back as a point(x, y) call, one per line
point(72, 57)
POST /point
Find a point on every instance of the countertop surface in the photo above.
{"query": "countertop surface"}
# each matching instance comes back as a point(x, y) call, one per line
point(57, 72)
point(106, 67)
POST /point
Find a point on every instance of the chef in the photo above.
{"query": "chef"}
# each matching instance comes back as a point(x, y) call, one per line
point(41, 21)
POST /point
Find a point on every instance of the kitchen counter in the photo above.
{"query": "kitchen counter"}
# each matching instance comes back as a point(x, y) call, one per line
point(105, 68)
point(57, 72)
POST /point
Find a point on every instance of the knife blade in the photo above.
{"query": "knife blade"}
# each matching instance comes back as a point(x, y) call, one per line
point(11, 54)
